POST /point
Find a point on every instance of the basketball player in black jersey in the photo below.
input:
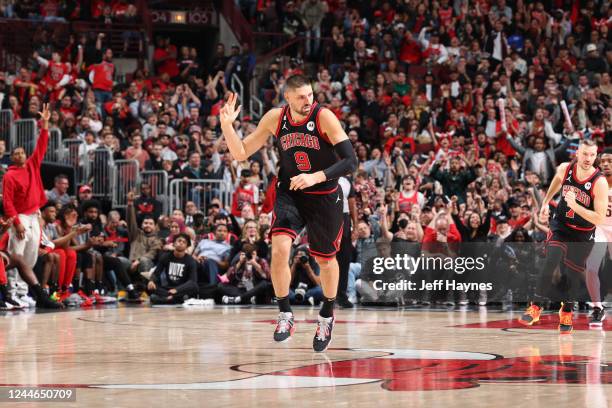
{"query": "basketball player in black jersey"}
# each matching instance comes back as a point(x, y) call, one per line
point(582, 206)
point(314, 152)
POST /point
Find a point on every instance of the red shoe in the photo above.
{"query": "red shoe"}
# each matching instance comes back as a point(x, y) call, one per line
point(565, 321)
point(531, 315)
point(87, 301)
point(98, 300)
point(64, 295)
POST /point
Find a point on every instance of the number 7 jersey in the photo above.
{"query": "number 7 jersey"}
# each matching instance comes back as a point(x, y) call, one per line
point(303, 148)
point(584, 197)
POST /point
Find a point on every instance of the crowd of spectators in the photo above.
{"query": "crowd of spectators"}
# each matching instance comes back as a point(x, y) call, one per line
point(106, 11)
point(454, 110)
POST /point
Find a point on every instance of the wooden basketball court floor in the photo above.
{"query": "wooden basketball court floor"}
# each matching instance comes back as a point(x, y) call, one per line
point(130, 356)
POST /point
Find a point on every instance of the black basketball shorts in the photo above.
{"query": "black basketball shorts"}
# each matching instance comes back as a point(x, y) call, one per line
point(576, 244)
point(319, 211)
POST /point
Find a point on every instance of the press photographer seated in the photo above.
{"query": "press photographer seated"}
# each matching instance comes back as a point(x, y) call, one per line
point(248, 279)
point(175, 277)
point(305, 281)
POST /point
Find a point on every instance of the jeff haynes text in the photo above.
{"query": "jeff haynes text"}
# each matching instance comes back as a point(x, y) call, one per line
point(439, 284)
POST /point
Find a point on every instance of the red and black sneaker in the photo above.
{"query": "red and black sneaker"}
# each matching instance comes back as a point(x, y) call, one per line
point(323, 336)
point(284, 327)
point(565, 321)
point(531, 315)
point(87, 301)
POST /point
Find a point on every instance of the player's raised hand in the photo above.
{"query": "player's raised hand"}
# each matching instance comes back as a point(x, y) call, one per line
point(45, 115)
point(229, 112)
point(131, 196)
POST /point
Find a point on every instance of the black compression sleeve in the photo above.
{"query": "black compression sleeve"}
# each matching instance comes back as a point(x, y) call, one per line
point(347, 163)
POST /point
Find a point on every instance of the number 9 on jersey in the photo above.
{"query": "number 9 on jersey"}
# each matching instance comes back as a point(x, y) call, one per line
point(302, 161)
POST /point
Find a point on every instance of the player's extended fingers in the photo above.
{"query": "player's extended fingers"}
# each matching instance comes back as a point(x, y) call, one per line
point(237, 111)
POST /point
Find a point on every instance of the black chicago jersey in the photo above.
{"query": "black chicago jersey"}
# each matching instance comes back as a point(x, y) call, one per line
point(568, 227)
point(584, 197)
point(303, 148)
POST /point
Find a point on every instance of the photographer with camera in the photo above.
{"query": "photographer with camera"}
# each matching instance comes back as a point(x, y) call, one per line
point(305, 281)
point(248, 278)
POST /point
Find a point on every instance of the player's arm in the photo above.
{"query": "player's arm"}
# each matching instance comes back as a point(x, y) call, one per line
point(555, 186)
point(243, 149)
point(8, 188)
point(347, 164)
point(598, 215)
point(43, 138)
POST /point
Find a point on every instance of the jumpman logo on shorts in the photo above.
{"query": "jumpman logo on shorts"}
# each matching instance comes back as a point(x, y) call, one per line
point(338, 198)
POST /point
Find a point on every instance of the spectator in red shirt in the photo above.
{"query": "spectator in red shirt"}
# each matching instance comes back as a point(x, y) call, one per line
point(56, 77)
point(441, 230)
point(516, 218)
point(164, 58)
point(118, 109)
point(101, 77)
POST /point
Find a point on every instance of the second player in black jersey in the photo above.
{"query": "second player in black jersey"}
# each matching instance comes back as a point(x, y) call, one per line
point(582, 205)
point(584, 192)
point(314, 151)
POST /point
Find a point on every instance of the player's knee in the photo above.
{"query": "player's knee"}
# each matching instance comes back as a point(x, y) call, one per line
point(280, 255)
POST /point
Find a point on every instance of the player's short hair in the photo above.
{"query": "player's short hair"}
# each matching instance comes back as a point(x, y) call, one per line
point(607, 150)
point(587, 142)
point(297, 81)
